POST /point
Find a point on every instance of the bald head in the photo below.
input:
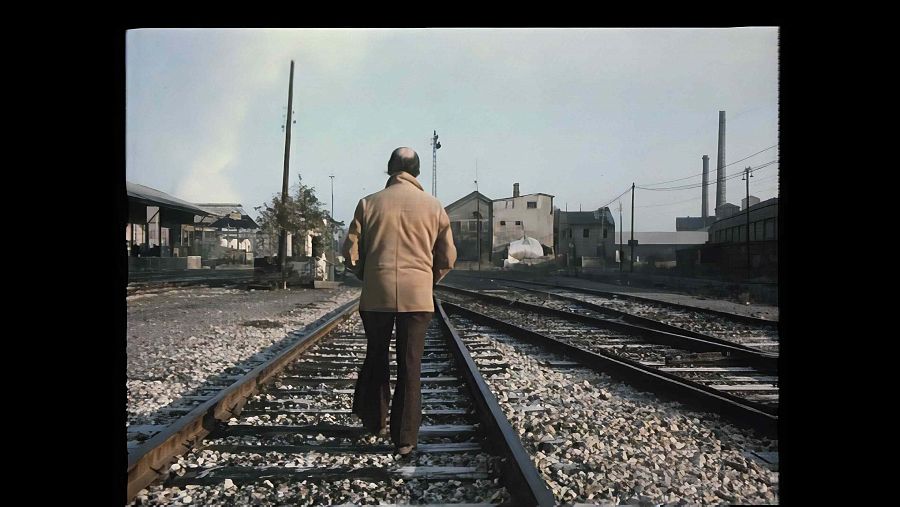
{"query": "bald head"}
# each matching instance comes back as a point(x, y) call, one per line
point(404, 159)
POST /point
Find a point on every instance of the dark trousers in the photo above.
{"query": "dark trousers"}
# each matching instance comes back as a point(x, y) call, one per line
point(370, 399)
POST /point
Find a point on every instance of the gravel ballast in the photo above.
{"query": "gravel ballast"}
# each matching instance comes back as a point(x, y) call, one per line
point(179, 339)
point(598, 440)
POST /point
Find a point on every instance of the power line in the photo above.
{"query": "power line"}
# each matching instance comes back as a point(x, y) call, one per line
point(701, 197)
point(686, 187)
point(698, 185)
point(616, 198)
point(701, 174)
point(669, 203)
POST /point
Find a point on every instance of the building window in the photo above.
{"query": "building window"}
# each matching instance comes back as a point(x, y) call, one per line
point(604, 233)
point(532, 204)
point(518, 222)
point(503, 222)
point(585, 233)
point(770, 228)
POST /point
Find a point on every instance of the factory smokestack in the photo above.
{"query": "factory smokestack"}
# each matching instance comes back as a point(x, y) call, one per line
point(720, 163)
point(515, 190)
point(704, 203)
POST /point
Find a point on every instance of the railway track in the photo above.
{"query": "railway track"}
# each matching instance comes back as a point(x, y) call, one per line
point(285, 428)
point(753, 332)
point(734, 381)
point(596, 439)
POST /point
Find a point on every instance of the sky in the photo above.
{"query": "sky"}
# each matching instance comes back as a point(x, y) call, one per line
point(580, 114)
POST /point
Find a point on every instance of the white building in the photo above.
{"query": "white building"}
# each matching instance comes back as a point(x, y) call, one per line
point(522, 215)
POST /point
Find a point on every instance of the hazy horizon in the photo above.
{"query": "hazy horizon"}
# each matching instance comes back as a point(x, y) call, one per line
point(576, 113)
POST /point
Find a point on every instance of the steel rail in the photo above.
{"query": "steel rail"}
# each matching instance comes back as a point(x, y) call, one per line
point(523, 481)
point(763, 360)
point(740, 411)
point(635, 319)
point(149, 460)
point(746, 319)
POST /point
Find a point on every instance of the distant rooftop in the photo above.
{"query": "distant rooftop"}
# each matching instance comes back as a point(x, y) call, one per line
point(523, 195)
point(668, 238)
point(472, 194)
point(154, 197)
point(585, 217)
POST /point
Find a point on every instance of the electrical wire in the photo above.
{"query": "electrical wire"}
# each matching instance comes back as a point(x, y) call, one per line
point(764, 178)
point(698, 185)
point(701, 174)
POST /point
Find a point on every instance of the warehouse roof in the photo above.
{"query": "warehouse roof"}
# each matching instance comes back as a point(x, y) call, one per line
point(153, 197)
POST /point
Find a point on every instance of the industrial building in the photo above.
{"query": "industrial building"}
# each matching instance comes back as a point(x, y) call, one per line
point(726, 252)
point(516, 217)
point(586, 238)
point(153, 234)
point(471, 222)
point(167, 233)
point(227, 231)
point(660, 249)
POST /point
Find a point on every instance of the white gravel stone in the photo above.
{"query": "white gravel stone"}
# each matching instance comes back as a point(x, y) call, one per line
point(178, 340)
point(638, 447)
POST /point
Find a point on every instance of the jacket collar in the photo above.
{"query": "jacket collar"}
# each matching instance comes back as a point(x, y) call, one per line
point(404, 177)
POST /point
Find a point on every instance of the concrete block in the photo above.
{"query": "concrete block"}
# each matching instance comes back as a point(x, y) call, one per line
point(193, 262)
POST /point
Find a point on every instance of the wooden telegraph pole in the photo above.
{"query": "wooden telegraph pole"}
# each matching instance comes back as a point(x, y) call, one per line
point(282, 242)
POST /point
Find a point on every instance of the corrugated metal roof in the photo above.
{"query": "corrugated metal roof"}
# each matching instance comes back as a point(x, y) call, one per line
point(668, 238)
point(154, 197)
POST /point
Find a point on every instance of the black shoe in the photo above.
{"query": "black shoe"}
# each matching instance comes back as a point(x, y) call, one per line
point(404, 452)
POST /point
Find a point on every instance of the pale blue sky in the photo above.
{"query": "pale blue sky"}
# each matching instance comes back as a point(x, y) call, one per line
point(576, 113)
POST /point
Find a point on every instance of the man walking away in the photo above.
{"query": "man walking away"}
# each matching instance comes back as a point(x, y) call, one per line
point(400, 246)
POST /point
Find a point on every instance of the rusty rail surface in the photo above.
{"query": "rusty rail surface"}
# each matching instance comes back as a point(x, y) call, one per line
point(523, 480)
point(630, 318)
point(151, 459)
point(746, 319)
point(670, 386)
point(757, 358)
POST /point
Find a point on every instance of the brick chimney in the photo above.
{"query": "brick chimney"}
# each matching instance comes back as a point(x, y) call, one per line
point(515, 190)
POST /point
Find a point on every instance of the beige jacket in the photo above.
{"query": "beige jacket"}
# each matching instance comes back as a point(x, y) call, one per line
point(400, 245)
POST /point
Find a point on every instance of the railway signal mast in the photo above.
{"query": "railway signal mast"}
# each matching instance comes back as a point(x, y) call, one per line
point(435, 146)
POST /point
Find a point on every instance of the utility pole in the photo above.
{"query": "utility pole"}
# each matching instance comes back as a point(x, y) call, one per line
point(632, 227)
point(331, 232)
point(621, 229)
point(478, 214)
point(435, 146)
point(747, 177)
point(282, 242)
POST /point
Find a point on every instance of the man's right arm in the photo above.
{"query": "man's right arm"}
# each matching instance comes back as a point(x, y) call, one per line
point(353, 250)
point(444, 249)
